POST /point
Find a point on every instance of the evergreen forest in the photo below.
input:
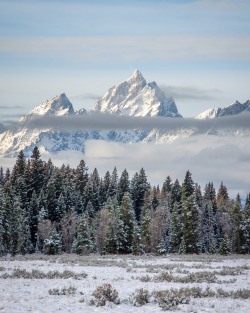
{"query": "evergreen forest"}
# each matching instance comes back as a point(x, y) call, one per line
point(52, 210)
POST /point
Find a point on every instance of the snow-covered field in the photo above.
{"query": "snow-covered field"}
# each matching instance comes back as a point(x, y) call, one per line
point(126, 274)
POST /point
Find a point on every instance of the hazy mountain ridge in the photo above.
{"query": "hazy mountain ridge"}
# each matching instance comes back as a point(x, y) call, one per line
point(133, 97)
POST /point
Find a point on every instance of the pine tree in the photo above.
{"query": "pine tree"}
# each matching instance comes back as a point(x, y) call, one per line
point(237, 221)
point(113, 184)
point(139, 188)
point(53, 244)
point(245, 226)
point(188, 184)
point(123, 185)
point(115, 234)
point(33, 218)
point(190, 230)
point(19, 167)
point(2, 230)
point(19, 228)
point(175, 231)
point(81, 176)
point(127, 217)
point(37, 171)
point(83, 243)
point(176, 193)
point(225, 246)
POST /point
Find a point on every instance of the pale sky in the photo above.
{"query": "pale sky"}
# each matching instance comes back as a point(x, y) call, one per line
point(198, 51)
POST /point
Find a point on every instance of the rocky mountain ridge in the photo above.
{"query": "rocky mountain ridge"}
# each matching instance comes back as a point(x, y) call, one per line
point(133, 97)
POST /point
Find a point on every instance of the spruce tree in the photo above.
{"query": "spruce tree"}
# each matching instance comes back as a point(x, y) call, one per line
point(123, 185)
point(139, 189)
point(83, 243)
point(237, 221)
point(245, 226)
point(190, 230)
point(127, 217)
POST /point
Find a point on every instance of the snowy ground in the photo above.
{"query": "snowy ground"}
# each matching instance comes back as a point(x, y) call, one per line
point(126, 274)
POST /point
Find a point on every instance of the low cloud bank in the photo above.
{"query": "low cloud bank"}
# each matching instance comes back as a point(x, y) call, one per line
point(210, 159)
point(98, 121)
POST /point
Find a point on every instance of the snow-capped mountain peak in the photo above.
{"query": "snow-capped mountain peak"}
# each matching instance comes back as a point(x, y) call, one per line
point(59, 105)
point(232, 109)
point(136, 97)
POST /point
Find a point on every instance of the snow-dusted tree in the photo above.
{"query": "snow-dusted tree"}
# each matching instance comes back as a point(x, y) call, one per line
point(155, 198)
point(115, 235)
point(113, 183)
point(81, 176)
point(188, 184)
point(223, 199)
point(139, 188)
point(190, 218)
point(37, 171)
point(165, 198)
point(1, 177)
point(176, 193)
point(225, 246)
point(19, 229)
point(237, 221)
point(245, 226)
point(123, 185)
point(175, 228)
point(208, 236)
point(83, 243)
point(33, 217)
point(128, 221)
point(19, 167)
point(53, 244)
point(2, 230)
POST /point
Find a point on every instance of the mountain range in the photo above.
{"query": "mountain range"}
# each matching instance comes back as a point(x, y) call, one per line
point(133, 97)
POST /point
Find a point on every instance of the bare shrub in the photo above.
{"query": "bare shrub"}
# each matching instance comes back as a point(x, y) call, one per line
point(36, 274)
point(144, 279)
point(140, 297)
point(169, 300)
point(63, 292)
point(105, 293)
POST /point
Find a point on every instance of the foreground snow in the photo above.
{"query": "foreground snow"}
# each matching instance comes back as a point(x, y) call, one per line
point(123, 273)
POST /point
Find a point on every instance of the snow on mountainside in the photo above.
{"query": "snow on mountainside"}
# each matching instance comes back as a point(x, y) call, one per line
point(232, 109)
point(133, 97)
point(136, 97)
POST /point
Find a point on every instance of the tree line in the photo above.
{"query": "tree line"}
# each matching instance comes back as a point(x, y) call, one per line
point(50, 209)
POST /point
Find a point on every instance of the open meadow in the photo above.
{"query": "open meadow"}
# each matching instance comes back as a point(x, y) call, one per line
point(40, 283)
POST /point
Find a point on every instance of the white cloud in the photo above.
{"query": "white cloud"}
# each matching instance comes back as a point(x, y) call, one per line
point(129, 48)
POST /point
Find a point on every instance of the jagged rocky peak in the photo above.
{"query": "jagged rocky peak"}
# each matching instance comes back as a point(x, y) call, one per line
point(59, 105)
point(232, 109)
point(136, 97)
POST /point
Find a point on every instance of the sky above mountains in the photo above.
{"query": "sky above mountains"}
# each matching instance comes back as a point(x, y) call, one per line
point(197, 51)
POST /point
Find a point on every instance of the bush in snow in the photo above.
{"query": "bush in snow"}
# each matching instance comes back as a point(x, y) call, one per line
point(105, 293)
point(63, 292)
point(140, 297)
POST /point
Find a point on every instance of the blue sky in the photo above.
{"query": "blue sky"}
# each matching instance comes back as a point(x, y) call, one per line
point(199, 51)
